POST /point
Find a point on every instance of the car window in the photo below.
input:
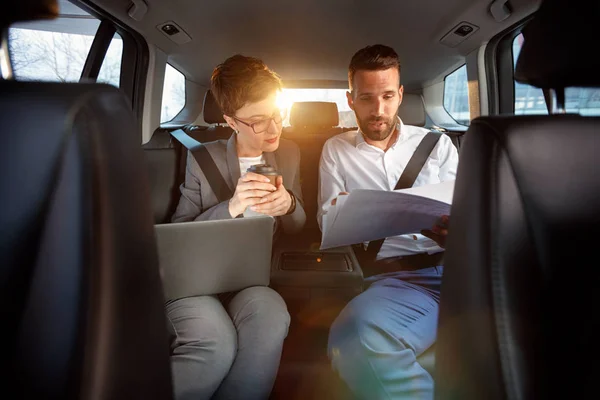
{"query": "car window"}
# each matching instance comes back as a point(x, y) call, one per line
point(338, 96)
point(456, 96)
point(110, 71)
point(173, 98)
point(56, 50)
point(50, 52)
point(530, 100)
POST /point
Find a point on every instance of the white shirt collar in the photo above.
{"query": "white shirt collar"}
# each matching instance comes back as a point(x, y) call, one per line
point(402, 136)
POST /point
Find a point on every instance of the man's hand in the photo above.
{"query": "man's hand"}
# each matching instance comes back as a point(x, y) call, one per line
point(250, 189)
point(276, 203)
point(439, 232)
point(334, 201)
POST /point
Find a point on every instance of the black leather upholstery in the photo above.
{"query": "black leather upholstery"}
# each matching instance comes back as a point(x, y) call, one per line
point(315, 114)
point(517, 311)
point(211, 111)
point(166, 158)
point(412, 110)
point(316, 124)
point(26, 10)
point(559, 44)
point(212, 115)
point(518, 315)
point(82, 304)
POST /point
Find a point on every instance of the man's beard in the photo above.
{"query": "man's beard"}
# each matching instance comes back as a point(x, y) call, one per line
point(377, 135)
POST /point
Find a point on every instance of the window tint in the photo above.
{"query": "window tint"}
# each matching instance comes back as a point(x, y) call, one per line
point(290, 96)
point(530, 100)
point(585, 101)
point(110, 71)
point(56, 50)
point(50, 52)
point(173, 98)
point(456, 96)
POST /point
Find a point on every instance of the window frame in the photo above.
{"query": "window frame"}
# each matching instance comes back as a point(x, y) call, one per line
point(135, 61)
point(444, 95)
point(499, 63)
point(167, 64)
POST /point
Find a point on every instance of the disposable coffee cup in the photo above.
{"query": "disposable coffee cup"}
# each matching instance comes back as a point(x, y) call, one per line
point(266, 170)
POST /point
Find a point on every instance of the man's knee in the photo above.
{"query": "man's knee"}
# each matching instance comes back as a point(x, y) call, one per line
point(358, 333)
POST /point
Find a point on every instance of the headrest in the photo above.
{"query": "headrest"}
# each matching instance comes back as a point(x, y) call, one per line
point(314, 114)
point(211, 111)
point(27, 10)
point(559, 42)
point(412, 110)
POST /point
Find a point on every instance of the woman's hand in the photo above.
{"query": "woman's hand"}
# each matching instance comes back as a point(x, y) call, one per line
point(250, 189)
point(276, 203)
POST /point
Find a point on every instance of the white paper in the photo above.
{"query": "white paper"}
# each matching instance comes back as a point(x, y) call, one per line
point(366, 215)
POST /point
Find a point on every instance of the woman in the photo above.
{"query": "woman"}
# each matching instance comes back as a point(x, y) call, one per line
point(230, 346)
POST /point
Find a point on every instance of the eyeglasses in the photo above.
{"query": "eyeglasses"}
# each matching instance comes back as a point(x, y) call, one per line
point(263, 125)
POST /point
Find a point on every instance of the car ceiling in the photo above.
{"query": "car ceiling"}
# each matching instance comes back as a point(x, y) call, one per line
point(315, 39)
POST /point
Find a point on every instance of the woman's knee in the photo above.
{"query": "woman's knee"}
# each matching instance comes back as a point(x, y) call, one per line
point(262, 305)
point(204, 331)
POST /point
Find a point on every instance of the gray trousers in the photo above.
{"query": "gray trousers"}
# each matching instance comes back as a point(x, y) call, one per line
point(228, 348)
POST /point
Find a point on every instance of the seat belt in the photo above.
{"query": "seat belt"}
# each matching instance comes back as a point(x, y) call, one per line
point(407, 179)
point(207, 164)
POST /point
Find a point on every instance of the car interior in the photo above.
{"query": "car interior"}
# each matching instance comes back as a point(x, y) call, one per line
point(92, 89)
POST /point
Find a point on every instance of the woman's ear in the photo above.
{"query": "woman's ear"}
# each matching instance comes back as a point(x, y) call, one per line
point(231, 122)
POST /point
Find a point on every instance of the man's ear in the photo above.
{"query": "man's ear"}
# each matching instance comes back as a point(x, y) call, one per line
point(350, 100)
point(401, 93)
point(231, 122)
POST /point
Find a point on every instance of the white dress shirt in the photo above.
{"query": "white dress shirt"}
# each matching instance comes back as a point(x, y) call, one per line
point(348, 163)
point(247, 162)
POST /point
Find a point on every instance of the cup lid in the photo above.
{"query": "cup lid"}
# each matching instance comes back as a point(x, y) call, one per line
point(262, 169)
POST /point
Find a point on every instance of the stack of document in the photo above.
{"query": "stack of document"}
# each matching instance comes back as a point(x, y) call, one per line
point(366, 215)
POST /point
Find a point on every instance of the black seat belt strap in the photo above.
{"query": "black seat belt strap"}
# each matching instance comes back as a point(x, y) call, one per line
point(207, 165)
point(407, 180)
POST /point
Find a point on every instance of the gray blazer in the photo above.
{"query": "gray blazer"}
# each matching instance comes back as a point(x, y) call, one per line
point(199, 203)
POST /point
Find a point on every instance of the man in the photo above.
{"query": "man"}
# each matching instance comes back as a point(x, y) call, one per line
point(375, 341)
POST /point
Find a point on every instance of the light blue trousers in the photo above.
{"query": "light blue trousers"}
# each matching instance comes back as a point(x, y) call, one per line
point(375, 341)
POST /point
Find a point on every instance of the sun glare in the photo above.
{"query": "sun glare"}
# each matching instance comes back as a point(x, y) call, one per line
point(284, 100)
point(288, 96)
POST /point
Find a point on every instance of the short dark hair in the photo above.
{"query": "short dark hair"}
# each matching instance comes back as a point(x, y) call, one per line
point(376, 57)
point(240, 80)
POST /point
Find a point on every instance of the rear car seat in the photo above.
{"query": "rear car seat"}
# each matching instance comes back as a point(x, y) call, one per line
point(213, 116)
point(166, 157)
point(312, 124)
point(412, 112)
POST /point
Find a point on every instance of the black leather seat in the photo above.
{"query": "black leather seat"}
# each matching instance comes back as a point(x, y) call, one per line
point(166, 158)
point(212, 115)
point(82, 303)
point(312, 123)
point(518, 315)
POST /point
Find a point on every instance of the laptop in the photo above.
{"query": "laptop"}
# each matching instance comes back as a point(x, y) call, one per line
point(211, 257)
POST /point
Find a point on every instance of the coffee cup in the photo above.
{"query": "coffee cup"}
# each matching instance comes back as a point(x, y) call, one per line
point(266, 170)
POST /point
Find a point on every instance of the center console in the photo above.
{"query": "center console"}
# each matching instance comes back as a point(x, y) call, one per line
point(316, 284)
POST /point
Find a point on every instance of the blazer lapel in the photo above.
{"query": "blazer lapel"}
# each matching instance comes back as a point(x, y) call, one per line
point(271, 159)
point(280, 165)
point(233, 163)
